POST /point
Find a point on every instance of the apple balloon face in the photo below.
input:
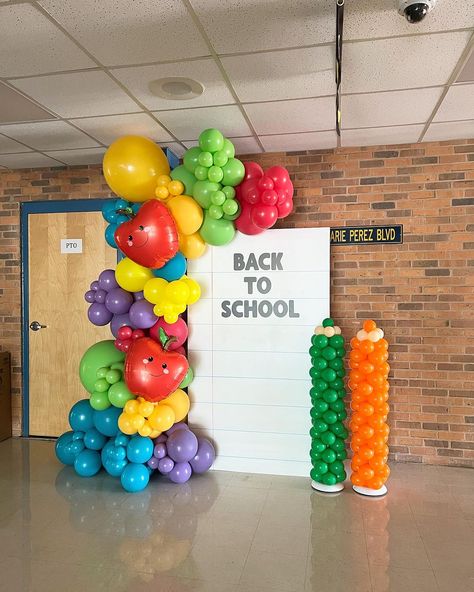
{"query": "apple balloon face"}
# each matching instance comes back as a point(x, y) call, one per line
point(151, 372)
point(151, 237)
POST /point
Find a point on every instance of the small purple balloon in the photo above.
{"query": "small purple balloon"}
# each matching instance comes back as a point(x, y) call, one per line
point(161, 438)
point(177, 426)
point(119, 321)
point(98, 315)
point(95, 285)
point(119, 301)
point(205, 456)
point(159, 451)
point(138, 296)
point(165, 465)
point(89, 296)
point(100, 296)
point(181, 472)
point(107, 280)
point(142, 315)
point(182, 446)
point(153, 463)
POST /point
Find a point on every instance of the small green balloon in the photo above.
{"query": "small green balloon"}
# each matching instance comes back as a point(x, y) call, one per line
point(220, 158)
point(314, 413)
point(228, 148)
point(338, 429)
point(99, 400)
point(211, 140)
point(205, 159)
point(187, 380)
point(320, 426)
point(315, 375)
point(236, 213)
point(321, 341)
point(218, 198)
point(118, 366)
point(336, 364)
point(202, 192)
point(216, 232)
point(229, 191)
point(215, 212)
point(191, 158)
point(230, 207)
point(329, 375)
point(342, 455)
point(330, 417)
point(341, 352)
point(181, 173)
point(328, 323)
point(320, 405)
point(320, 467)
point(328, 438)
point(102, 372)
point(234, 172)
point(336, 467)
point(100, 355)
point(330, 395)
point(329, 456)
point(119, 394)
point(113, 376)
point(329, 353)
point(318, 446)
point(200, 172)
point(215, 174)
point(338, 384)
point(320, 385)
point(314, 455)
point(342, 415)
point(101, 385)
point(338, 406)
point(336, 341)
point(320, 363)
point(338, 443)
point(329, 479)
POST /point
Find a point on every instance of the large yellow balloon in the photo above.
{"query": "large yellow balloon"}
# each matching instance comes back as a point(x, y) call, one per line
point(186, 212)
point(132, 277)
point(179, 402)
point(132, 165)
point(192, 246)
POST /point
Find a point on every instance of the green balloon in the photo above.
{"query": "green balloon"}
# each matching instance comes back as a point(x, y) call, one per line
point(330, 395)
point(215, 212)
point(341, 352)
point(202, 192)
point(320, 405)
point(341, 415)
point(113, 376)
point(320, 363)
point(314, 413)
point(328, 438)
point(330, 417)
point(320, 467)
point(119, 394)
point(338, 406)
point(336, 341)
point(336, 364)
point(328, 375)
point(321, 341)
point(205, 159)
point(99, 401)
point(182, 174)
point(101, 385)
point(329, 479)
point(230, 207)
point(338, 443)
point(102, 372)
point(215, 174)
point(218, 198)
point(236, 214)
point(118, 366)
point(328, 323)
point(187, 380)
point(342, 455)
point(337, 384)
point(320, 426)
point(191, 158)
point(329, 353)
point(220, 158)
point(200, 172)
point(336, 467)
point(229, 148)
point(341, 373)
point(314, 475)
point(320, 385)
point(100, 355)
point(229, 191)
point(234, 172)
point(216, 232)
point(211, 140)
point(318, 446)
point(329, 456)
point(314, 455)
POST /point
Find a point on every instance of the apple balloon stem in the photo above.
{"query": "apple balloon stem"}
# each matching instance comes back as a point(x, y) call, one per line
point(165, 339)
point(126, 212)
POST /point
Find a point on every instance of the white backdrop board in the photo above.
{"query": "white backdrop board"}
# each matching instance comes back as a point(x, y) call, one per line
point(248, 344)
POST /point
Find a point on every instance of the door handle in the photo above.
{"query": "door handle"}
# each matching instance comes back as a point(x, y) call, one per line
point(35, 326)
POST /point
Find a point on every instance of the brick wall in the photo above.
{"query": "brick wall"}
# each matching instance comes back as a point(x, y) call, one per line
point(420, 292)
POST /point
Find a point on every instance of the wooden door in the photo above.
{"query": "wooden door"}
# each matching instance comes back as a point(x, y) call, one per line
point(57, 282)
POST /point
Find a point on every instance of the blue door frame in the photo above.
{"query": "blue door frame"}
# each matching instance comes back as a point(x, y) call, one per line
point(39, 207)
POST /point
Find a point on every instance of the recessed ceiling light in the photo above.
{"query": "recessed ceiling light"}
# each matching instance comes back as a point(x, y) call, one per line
point(176, 88)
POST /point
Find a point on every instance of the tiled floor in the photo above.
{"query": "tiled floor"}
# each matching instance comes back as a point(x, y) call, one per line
point(230, 532)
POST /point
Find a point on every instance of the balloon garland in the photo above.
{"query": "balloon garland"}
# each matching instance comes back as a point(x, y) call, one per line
point(133, 423)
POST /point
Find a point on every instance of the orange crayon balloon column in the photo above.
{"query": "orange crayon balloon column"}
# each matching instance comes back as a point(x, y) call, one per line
point(369, 385)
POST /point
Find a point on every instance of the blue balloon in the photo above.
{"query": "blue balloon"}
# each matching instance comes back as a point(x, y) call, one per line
point(121, 218)
point(139, 449)
point(135, 207)
point(134, 477)
point(109, 211)
point(87, 463)
point(173, 270)
point(121, 204)
point(81, 416)
point(106, 421)
point(63, 449)
point(94, 440)
point(109, 235)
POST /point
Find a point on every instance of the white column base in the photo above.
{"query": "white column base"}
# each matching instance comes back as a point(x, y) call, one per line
point(327, 488)
point(370, 492)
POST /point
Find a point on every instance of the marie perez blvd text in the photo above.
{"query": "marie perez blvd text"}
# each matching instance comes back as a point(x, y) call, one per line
point(256, 285)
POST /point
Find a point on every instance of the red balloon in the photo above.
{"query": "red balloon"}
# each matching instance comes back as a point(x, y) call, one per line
point(264, 216)
point(244, 222)
point(150, 238)
point(151, 372)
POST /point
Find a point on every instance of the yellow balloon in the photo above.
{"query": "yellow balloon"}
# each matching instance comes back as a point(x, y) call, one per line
point(125, 424)
point(192, 246)
point(145, 430)
point(154, 434)
point(137, 421)
point(194, 289)
point(132, 277)
point(145, 408)
point(132, 165)
point(179, 402)
point(186, 212)
point(162, 418)
point(131, 407)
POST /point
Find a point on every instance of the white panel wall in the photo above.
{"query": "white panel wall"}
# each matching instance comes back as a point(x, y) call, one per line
point(251, 391)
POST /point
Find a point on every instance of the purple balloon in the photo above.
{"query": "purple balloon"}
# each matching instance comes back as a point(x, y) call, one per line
point(180, 473)
point(165, 465)
point(119, 321)
point(95, 285)
point(98, 314)
point(153, 463)
point(159, 451)
point(100, 296)
point(138, 296)
point(107, 280)
point(177, 426)
point(161, 438)
point(204, 458)
point(141, 314)
point(89, 296)
point(119, 301)
point(182, 446)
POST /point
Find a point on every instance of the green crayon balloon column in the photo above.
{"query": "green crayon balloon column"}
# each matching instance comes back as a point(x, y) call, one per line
point(328, 412)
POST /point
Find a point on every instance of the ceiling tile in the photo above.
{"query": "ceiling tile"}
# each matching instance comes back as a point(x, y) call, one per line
point(124, 32)
point(15, 107)
point(389, 108)
point(27, 161)
point(78, 94)
point(189, 123)
point(407, 62)
point(404, 134)
point(245, 25)
point(175, 147)
point(457, 104)
point(76, 157)
point(107, 129)
point(204, 71)
point(282, 74)
point(467, 72)
point(246, 145)
point(379, 18)
point(48, 135)
point(307, 141)
point(293, 116)
point(31, 44)
point(8, 146)
point(453, 130)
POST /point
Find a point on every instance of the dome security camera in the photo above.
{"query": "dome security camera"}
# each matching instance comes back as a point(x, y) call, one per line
point(415, 11)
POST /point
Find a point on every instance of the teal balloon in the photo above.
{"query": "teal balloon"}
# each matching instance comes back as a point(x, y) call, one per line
point(64, 452)
point(203, 191)
point(234, 172)
point(186, 177)
point(140, 449)
point(217, 232)
point(173, 270)
point(100, 355)
point(87, 463)
point(81, 416)
point(134, 477)
point(211, 140)
point(107, 421)
point(191, 159)
point(94, 440)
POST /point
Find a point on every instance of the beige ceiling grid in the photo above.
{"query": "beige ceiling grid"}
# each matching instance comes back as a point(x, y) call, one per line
point(74, 75)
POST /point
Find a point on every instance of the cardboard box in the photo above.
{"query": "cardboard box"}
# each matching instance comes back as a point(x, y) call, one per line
point(5, 397)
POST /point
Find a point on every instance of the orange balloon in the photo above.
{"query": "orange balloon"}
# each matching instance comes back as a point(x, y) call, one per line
point(366, 389)
point(367, 409)
point(381, 345)
point(375, 483)
point(353, 427)
point(369, 326)
point(376, 421)
point(384, 472)
point(356, 479)
point(366, 432)
point(356, 355)
point(366, 347)
point(366, 473)
point(355, 343)
point(375, 357)
point(356, 462)
point(366, 367)
point(375, 378)
point(357, 440)
point(377, 462)
point(366, 454)
point(358, 418)
point(356, 376)
point(385, 431)
point(353, 365)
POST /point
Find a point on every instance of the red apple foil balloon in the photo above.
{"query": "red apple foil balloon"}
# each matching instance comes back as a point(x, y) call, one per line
point(150, 238)
point(264, 196)
point(152, 372)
